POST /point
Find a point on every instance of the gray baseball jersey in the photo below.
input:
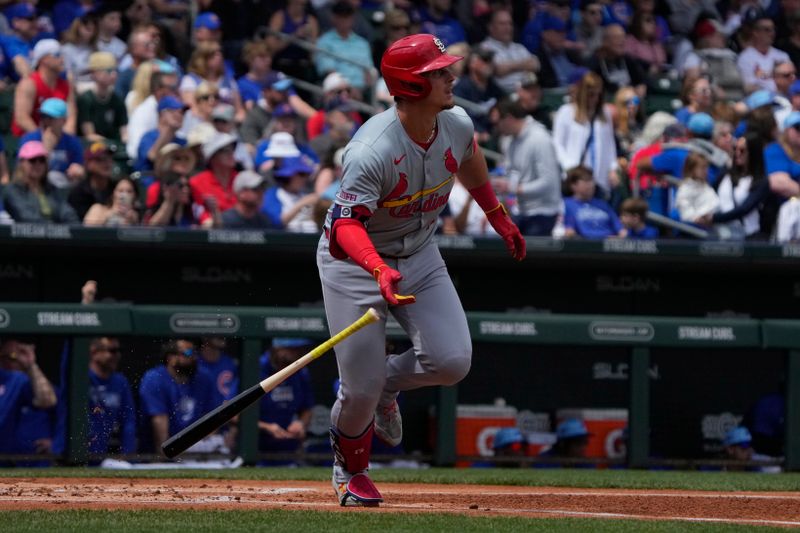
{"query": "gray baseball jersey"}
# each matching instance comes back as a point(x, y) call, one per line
point(404, 186)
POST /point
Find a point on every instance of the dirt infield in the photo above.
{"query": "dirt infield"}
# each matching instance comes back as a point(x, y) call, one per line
point(757, 508)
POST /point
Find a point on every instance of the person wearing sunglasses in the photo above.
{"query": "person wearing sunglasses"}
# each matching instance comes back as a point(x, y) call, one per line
point(174, 394)
point(29, 197)
point(110, 412)
point(45, 82)
point(206, 97)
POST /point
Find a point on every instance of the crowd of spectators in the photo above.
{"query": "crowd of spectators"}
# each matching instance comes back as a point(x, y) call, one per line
point(125, 112)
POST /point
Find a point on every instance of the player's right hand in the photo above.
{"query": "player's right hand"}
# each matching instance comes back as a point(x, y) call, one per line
point(387, 279)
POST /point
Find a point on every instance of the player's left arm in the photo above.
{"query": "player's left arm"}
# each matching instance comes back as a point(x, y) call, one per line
point(474, 175)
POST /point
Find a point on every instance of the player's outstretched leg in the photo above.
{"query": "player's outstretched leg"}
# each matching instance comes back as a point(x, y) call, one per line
point(389, 424)
point(351, 462)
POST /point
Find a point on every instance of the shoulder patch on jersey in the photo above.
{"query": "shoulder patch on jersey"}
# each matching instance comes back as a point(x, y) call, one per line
point(346, 196)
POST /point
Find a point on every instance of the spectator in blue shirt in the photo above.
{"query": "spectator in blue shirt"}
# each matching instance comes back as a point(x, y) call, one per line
point(66, 151)
point(572, 439)
point(111, 413)
point(259, 75)
point(558, 65)
point(435, 19)
point(584, 215)
point(170, 120)
point(633, 214)
point(286, 410)
point(343, 41)
point(782, 165)
point(220, 366)
point(174, 395)
point(17, 46)
point(24, 392)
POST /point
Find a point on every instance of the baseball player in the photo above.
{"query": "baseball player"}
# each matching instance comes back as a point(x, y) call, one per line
point(377, 250)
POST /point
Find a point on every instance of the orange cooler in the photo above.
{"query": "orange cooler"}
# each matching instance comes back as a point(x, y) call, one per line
point(476, 426)
point(606, 427)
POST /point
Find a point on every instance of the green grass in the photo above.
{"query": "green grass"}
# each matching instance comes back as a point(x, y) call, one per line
point(633, 479)
point(312, 521)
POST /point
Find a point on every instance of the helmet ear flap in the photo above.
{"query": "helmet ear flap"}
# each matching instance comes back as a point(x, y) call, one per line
point(421, 89)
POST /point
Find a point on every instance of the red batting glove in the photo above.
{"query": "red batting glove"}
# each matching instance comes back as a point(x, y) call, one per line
point(502, 224)
point(387, 279)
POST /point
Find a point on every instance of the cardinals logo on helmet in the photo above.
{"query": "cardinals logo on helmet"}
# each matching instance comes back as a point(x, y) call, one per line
point(450, 162)
point(439, 44)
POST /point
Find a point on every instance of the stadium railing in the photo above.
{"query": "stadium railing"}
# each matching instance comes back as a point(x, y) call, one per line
point(637, 334)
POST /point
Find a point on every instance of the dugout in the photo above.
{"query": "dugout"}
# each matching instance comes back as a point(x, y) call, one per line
point(536, 361)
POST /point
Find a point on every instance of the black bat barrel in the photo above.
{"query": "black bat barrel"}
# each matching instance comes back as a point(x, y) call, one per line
point(182, 440)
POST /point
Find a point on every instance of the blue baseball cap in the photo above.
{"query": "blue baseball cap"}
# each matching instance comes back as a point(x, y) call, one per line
point(22, 10)
point(571, 428)
point(169, 102)
point(794, 88)
point(164, 67)
point(552, 22)
point(54, 107)
point(738, 436)
point(292, 166)
point(207, 20)
point(291, 342)
point(759, 98)
point(506, 437)
point(281, 84)
point(577, 75)
point(283, 110)
point(792, 120)
point(701, 125)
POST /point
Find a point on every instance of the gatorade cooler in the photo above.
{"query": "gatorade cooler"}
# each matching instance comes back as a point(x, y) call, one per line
point(606, 427)
point(476, 426)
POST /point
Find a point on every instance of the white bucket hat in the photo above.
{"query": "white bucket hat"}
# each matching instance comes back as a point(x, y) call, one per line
point(281, 144)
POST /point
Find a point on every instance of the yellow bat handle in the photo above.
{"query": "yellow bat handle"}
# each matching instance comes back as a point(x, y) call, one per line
point(279, 377)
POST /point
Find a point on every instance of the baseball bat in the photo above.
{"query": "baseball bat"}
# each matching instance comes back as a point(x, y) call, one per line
point(212, 420)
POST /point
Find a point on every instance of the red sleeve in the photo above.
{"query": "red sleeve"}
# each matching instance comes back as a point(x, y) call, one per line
point(350, 237)
point(485, 197)
point(153, 191)
point(315, 124)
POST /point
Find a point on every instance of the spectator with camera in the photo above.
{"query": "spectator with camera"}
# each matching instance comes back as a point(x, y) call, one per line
point(120, 211)
point(169, 199)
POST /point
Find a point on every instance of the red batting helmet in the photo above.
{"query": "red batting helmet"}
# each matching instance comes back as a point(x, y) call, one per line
point(407, 58)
